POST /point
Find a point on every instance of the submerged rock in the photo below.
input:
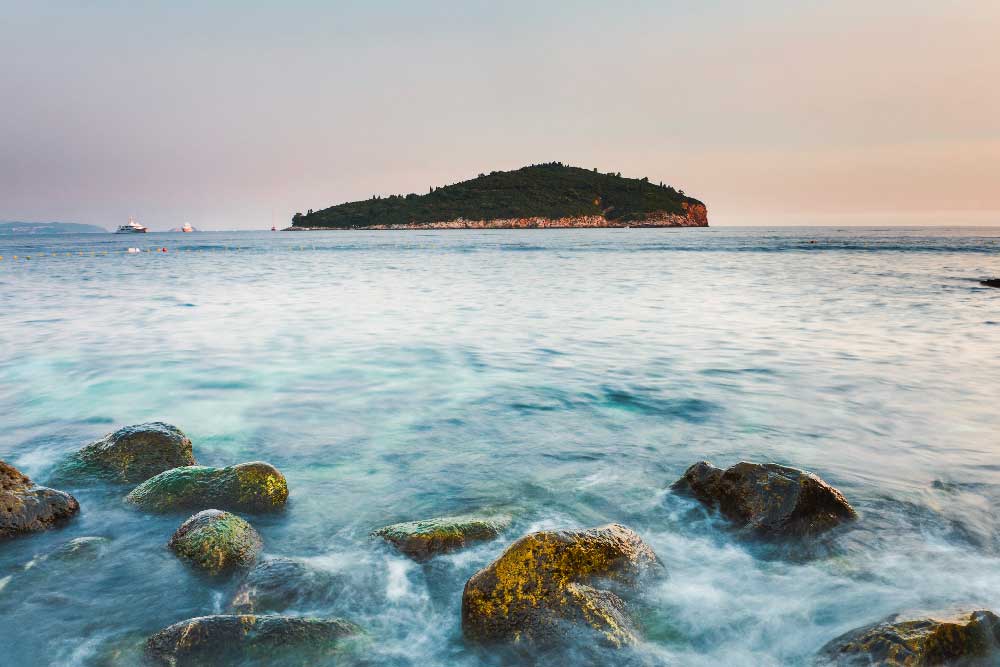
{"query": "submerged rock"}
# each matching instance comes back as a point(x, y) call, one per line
point(216, 542)
point(545, 585)
point(80, 549)
point(131, 454)
point(247, 487)
point(228, 639)
point(277, 584)
point(954, 639)
point(767, 499)
point(28, 508)
point(422, 540)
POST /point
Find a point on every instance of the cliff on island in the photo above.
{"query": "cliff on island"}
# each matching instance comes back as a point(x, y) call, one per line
point(540, 196)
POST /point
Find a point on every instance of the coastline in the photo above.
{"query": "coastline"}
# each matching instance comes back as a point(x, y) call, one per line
point(695, 215)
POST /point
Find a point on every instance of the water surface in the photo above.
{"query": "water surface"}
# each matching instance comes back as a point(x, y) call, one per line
point(567, 376)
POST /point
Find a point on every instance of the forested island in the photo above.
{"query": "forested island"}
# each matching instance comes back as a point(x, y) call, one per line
point(549, 195)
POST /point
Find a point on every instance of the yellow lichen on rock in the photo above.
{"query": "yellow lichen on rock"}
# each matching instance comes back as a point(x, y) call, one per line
point(541, 584)
point(260, 482)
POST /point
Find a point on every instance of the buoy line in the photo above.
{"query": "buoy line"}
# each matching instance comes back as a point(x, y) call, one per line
point(162, 250)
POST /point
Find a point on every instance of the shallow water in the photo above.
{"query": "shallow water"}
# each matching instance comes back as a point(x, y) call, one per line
point(567, 376)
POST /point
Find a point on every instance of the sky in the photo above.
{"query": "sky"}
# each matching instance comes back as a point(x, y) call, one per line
point(229, 114)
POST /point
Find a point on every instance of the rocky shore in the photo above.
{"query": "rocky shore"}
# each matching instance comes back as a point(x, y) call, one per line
point(695, 215)
point(548, 590)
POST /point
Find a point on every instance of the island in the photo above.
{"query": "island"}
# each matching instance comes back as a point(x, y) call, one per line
point(9, 227)
point(550, 195)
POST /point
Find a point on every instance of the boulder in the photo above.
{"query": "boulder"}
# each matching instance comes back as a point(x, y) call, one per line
point(278, 584)
point(247, 487)
point(955, 639)
point(766, 499)
point(28, 508)
point(131, 454)
point(216, 542)
point(422, 540)
point(232, 639)
point(549, 585)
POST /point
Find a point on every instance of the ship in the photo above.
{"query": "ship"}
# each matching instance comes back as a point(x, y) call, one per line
point(187, 228)
point(132, 227)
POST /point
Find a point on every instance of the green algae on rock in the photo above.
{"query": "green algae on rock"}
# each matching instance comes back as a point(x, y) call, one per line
point(279, 583)
point(422, 540)
point(28, 508)
point(131, 454)
point(963, 638)
point(231, 639)
point(247, 487)
point(216, 542)
point(766, 499)
point(545, 584)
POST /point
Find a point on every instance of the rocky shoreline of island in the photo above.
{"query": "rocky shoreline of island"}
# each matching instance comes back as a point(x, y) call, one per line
point(695, 215)
point(546, 589)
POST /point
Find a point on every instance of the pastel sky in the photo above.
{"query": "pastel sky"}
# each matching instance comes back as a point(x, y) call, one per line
point(772, 112)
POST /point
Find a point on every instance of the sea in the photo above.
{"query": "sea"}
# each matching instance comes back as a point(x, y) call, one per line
point(567, 377)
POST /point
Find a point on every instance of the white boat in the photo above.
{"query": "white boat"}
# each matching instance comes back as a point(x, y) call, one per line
point(187, 228)
point(132, 227)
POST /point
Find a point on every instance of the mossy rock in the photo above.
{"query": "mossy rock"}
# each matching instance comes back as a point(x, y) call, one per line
point(210, 641)
point(422, 540)
point(955, 639)
point(278, 584)
point(247, 487)
point(28, 508)
point(216, 542)
point(768, 500)
point(549, 585)
point(131, 454)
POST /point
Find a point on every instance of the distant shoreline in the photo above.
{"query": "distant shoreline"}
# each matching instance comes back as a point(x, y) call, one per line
point(694, 216)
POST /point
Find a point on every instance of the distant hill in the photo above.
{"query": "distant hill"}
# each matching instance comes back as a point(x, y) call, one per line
point(49, 228)
point(544, 195)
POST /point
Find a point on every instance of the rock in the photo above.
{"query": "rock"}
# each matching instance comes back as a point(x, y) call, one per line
point(80, 548)
point(545, 585)
point(131, 455)
point(247, 487)
point(990, 282)
point(954, 639)
point(766, 499)
point(216, 542)
point(277, 584)
point(422, 540)
point(28, 508)
point(228, 639)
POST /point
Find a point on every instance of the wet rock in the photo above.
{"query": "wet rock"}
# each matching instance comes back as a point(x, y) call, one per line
point(216, 542)
point(548, 586)
point(766, 499)
point(278, 584)
point(990, 282)
point(131, 454)
point(247, 487)
point(422, 540)
point(28, 508)
point(80, 549)
point(955, 639)
point(227, 639)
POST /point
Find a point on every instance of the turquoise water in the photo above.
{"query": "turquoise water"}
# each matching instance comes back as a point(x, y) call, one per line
point(567, 376)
